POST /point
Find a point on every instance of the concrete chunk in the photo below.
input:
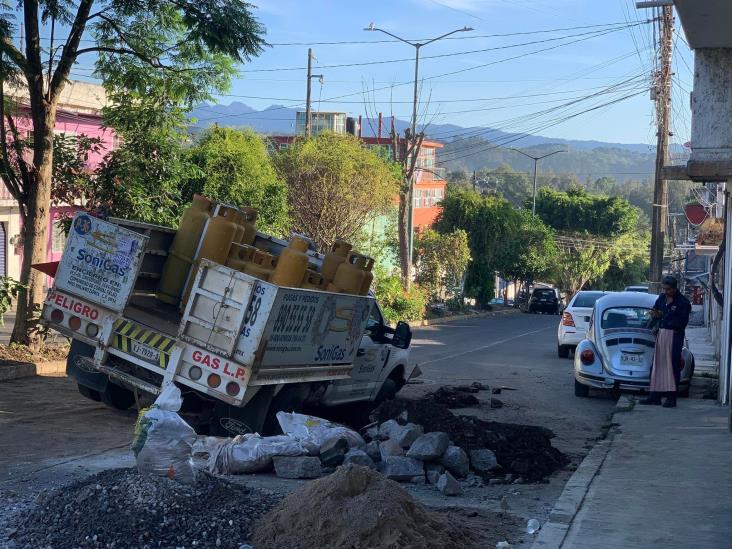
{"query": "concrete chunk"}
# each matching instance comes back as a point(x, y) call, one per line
point(332, 452)
point(483, 460)
point(372, 449)
point(405, 435)
point(387, 429)
point(432, 476)
point(403, 468)
point(358, 457)
point(297, 467)
point(430, 446)
point(456, 461)
point(390, 448)
point(448, 485)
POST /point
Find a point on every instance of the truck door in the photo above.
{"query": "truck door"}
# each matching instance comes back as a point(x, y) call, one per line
point(370, 357)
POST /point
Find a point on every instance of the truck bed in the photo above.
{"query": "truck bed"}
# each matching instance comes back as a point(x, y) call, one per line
point(150, 312)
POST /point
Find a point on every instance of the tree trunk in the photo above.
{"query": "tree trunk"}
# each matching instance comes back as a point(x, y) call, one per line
point(35, 228)
point(405, 262)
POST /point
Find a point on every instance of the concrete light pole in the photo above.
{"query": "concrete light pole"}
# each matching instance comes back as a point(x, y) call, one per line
point(413, 135)
point(536, 161)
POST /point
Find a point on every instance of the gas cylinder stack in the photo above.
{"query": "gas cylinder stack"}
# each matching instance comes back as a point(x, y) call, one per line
point(226, 235)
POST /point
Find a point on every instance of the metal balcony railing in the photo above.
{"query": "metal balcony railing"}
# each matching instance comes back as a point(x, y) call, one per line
point(429, 174)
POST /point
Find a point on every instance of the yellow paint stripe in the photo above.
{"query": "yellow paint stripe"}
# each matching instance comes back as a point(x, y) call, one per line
point(155, 341)
point(129, 328)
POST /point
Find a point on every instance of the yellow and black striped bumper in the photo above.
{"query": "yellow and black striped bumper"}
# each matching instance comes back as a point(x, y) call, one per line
point(125, 332)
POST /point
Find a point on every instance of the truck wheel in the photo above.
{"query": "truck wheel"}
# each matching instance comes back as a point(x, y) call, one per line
point(563, 351)
point(229, 421)
point(117, 397)
point(387, 392)
point(91, 394)
point(580, 390)
point(290, 399)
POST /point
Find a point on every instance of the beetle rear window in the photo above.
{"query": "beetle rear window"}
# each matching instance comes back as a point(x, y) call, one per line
point(626, 317)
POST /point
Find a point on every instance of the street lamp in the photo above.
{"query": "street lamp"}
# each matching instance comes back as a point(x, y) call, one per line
point(416, 45)
point(536, 161)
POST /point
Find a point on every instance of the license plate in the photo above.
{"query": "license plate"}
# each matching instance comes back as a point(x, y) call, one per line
point(634, 360)
point(146, 352)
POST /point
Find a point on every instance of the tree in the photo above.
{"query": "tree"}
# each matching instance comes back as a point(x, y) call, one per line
point(234, 167)
point(335, 186)
point(580, 261)
point(533, 250)
point(171, 36)
point(441, 261)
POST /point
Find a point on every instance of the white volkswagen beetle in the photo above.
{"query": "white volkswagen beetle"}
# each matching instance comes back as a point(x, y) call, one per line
point(618, 350)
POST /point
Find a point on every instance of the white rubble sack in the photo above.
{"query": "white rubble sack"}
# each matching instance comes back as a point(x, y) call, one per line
point(162, 441)
point(248, 453)
point(314, 431)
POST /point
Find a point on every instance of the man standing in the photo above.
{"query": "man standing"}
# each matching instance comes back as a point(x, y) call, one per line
point(672, 311)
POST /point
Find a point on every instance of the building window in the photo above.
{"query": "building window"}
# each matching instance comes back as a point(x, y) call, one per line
point(58, 238)
point(283, 146)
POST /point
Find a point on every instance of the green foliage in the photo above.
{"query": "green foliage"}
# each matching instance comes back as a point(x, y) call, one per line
point(336, 186)
point(379, 239)
point(629, 265)
point(533, 250)
point(397, 303)
point(71, 176)
point(441, 261)
point(578, 211)
point(9, 289)
point(233, 166)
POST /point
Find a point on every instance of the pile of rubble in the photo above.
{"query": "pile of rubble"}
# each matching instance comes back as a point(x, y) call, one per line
point(123, 508)
point(463, 396)
point(355, 507)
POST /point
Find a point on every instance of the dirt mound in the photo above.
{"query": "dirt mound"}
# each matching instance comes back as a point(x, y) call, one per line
point(523, 450)
point(121, 508)
point(356, 507)
point(461, 396)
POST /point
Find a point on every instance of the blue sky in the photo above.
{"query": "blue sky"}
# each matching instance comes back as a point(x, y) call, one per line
point(511, 88)
point(529, 80)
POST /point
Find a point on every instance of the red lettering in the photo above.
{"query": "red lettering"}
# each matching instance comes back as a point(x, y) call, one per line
point(215, 363)
point(94, 314)
point(226, 370)
point(59, 299)
point(197, 356)
point(77, 307)
point(240, 373)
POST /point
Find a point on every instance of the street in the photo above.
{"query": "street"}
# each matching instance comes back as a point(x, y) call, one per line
point(64, 437)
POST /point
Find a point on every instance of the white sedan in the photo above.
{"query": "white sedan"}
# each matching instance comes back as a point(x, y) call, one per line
point(573, 326)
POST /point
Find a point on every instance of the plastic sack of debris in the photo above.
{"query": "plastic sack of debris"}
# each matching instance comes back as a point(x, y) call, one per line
point(314, 431)
point(248, 453)
point(163, 441)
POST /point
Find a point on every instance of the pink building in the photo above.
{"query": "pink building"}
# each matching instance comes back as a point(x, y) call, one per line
point(79, 113)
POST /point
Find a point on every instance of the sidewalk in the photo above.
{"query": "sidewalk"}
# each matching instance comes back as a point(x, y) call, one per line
point(701, 346)
point(664, 480)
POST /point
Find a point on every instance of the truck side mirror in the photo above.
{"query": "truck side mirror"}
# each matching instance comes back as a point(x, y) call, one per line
point(402, 336)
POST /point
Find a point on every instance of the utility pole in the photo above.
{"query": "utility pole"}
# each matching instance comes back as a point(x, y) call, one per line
point(307, 95)
point(413, 145)
point(474, 181)
point(536, 162)
point(662, 96)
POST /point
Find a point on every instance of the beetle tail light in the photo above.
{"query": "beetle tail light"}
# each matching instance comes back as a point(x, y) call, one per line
point(567, 319)
point(587, 357)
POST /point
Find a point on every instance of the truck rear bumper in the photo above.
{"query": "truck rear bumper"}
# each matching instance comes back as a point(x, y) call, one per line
point(115, 373)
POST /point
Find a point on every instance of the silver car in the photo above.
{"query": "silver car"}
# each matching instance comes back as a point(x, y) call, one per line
point(618, 350)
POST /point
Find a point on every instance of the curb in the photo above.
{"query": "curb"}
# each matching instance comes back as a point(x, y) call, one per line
point(482, 314)
point(52, 368)
point(554, 531)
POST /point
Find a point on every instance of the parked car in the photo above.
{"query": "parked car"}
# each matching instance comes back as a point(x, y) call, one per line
point(545, 300)
point(618, 351)
point(575, 318)
point(637, 288)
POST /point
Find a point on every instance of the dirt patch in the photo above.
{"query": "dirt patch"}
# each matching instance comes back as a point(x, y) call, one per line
point(460, 396)
point(356, 508)
point(20, 354)
point(121, 508)
point(523, 450)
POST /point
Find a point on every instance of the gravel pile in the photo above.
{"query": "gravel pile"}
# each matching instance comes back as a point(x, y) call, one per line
point(122, 509)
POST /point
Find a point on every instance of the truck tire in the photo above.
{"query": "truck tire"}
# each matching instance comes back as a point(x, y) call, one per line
point(229, 421)
point(91, 394)
point(117, 397)
point(387, 392)
point(291, 398)
point(582, 391)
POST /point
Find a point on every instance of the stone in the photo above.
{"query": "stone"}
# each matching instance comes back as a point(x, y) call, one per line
point(475, 481)
point(405, 435)
point(448, 485)
point(496, 391)
point(372, 449)
point(429, 447)
point(456, 461)
point(387, 428)
point(495, 403)
point(333, 451)
point(403, 468)
point(403, 417)
point(418, 480)
point(358, 457)
point(297, 466)
point(483, 460)
point(434, 467)
point(390, 448)
point(495, 481)
point(432, 476)
point(372, 433)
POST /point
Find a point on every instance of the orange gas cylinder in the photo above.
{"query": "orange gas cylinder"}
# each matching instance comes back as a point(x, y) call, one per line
point(261, 265)
point(240, 228)
point(250, 227)
point(292, 263)
point(331, 261)
point(216, 243)
point(350, 274)
point(182, 251)
point(312, 280)
point(368, 277)
point(239, 256)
